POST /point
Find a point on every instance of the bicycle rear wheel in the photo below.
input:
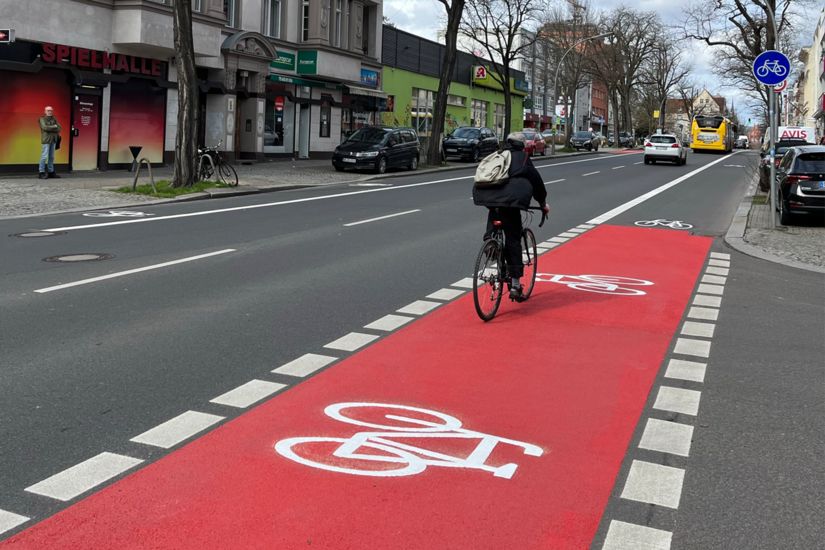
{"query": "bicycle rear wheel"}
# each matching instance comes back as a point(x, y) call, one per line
point(529, 255)
point(487, 280)
point(228, 174)
point(205, 173)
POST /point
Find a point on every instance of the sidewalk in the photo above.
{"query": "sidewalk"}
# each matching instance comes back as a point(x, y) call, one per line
point(25, 195)
point(801, 246)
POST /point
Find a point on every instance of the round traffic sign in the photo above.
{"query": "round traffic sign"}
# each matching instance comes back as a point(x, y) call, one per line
point(771, 67)
point(781, 87)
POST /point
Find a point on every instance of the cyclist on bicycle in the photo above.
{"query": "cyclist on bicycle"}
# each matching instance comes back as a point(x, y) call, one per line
point(505, 203)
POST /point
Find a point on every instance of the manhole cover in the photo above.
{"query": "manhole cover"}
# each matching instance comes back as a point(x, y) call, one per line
point(88, 257)
point(38, 234)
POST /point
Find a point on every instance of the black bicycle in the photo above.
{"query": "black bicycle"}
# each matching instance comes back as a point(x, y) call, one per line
point(490, 275)
point(211, 164)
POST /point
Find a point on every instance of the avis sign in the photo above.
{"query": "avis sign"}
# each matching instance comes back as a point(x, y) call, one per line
point(797, 132)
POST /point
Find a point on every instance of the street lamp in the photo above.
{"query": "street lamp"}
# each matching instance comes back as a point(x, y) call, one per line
point(555, 95)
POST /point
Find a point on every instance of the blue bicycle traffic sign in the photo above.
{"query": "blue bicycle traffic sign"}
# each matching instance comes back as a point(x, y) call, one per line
point(771, 67)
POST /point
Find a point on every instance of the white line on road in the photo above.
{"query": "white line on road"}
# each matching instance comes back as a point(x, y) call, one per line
point(629, 536)
point(702, 330)
point(295, 201)
point(689, 346)
point(704, 313)
point(554, 181)
point(719, 263)
point(131, 271)
point(568, 235)
point(466, 282)
point(591, 173)
point(175, 430)
point(707, 301)
point(247, 394)
point(81, 477)
point(711, 289)
point(352, 341)
point(389, 323)
point(558, 240)
point(720, 255)
point(637, 163)
point(305, 365)
point(9, 520)
point(617, 167)
point(576, 230)
point(686, 370)
point(445, 294)
point(420, 307)
point(642, 198)
point(678, 400)
point(714, 279)
point(382, 217)
point(654, 484)
point(667, 437)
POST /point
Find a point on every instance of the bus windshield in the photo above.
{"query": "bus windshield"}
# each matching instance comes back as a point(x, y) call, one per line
point(709, 121)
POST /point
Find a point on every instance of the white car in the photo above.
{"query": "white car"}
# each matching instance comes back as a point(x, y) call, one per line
point(665, 147)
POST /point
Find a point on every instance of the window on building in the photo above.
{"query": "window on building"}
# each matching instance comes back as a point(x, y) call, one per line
point(229, 10)
point(347, 15)
point(422, 110)
point(305, 20)
point(478, 112)
point(456, 100)
point(338, 22)
point(365, 31)
point(272, 18)
point(326, 118)
point(197, 5)
point(498, 123)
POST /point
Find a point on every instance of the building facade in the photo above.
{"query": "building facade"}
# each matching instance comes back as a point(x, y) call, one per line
point(808, 109)
point(276, 77)
point(412, 67)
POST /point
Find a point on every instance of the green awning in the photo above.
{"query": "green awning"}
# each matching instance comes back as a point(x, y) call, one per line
point(298, 81)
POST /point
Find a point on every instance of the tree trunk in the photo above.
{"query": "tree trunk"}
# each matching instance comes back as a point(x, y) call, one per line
point(614, 99)
point(450, 56)
point(187, 130)
point(508, 103)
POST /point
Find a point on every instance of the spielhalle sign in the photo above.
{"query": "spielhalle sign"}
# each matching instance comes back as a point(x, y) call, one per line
point(95, 59)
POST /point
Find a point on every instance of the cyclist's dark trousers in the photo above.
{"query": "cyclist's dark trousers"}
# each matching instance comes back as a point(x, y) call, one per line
point(511, 223)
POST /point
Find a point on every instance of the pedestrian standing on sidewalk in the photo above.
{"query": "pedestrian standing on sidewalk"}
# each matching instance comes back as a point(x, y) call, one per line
point(49, 138)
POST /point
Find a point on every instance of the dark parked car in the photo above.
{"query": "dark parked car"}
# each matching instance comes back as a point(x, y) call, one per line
point(625, 140)
point(584, 140)
point(765, 163)
point(378, 148)
point(800, 183)
point(470, 143)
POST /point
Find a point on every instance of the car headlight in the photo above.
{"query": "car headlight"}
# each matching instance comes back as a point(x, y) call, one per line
point(367, 154)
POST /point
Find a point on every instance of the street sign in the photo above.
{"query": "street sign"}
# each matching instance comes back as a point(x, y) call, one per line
point(780, 87)
point(771, 67)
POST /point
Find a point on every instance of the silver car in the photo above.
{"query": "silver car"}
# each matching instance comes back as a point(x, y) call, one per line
point(665, 147)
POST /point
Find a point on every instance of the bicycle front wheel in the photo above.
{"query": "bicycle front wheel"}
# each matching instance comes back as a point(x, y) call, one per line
point(487, 280)
point(228, 174)
point(529, 256)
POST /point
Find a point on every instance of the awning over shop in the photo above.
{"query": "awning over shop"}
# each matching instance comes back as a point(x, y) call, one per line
point(289, 79)
point(358, 90)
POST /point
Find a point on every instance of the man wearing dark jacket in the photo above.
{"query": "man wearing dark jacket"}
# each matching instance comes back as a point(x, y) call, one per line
point(49, 135)
point(505, 203)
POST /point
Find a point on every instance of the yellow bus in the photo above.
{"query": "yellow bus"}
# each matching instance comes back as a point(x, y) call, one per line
point(712, 133)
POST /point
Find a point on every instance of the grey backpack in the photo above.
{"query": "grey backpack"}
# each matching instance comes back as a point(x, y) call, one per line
point(492, 170)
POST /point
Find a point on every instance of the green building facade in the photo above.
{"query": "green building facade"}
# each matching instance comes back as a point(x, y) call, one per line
point(411, 96)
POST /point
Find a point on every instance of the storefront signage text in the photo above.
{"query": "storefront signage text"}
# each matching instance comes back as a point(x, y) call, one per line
point(284, 61)
point(308, 62)
point(95, 59)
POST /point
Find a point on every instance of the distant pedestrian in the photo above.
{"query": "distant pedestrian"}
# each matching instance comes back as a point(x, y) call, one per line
point(49, 139)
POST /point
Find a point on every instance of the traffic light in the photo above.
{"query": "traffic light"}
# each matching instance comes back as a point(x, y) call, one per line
point(6, 36)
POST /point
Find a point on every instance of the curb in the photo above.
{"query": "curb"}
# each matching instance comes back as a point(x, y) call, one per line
point(735, 237)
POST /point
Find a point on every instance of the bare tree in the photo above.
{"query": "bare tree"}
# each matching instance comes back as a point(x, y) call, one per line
point(455, 9)
point(184, 173)
point(564, 30)
point(496, 26)
point(662, 74)
point(741, 30)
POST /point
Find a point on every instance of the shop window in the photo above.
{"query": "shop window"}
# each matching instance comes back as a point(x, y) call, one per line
point(422, 110)
point(479, 112)
point(326, 117)
point(305, 20)
point(272, 18)
point(456, 100)
point(499, 120)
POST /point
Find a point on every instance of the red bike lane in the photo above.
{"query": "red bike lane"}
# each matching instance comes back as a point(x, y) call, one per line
point(506, 434)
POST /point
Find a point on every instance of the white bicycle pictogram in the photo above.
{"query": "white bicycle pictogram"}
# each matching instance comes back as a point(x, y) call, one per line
point(672, 224)
point(117, 214)
point(771, 67)
point(602, 284)
point(403, 459)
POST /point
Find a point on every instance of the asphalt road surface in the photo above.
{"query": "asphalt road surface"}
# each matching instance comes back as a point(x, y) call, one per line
point(673, 394)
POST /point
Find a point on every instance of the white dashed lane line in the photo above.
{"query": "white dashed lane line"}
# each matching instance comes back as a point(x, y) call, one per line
point(352, 341)
point(248, 394)
point(420, 307)
point(10, 520)
point(379, 218)
point(617, 167)
point(660, 484)
point(82, 477)
point(446, 294)
point(466, 282)
point(305, 365)
point(591, 173)
point(389, 323)
point(177, 429)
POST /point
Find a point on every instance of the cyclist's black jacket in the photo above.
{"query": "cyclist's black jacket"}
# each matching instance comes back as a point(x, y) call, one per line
point(523, 184)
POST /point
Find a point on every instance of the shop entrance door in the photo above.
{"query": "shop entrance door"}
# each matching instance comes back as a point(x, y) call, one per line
point(85, 131)
point(303, 131)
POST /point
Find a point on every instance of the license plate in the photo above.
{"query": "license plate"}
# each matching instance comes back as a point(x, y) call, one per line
point(351, 161)
point(661, 148)
point(451, 150)
point(819, 185)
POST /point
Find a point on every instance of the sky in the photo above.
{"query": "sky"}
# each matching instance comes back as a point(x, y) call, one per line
point(425, 17)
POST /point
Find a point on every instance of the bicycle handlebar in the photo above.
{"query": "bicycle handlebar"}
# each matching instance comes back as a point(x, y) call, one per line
point(543, 215)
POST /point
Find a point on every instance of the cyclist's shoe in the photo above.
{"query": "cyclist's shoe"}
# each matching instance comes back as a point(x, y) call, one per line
point(516, 294)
